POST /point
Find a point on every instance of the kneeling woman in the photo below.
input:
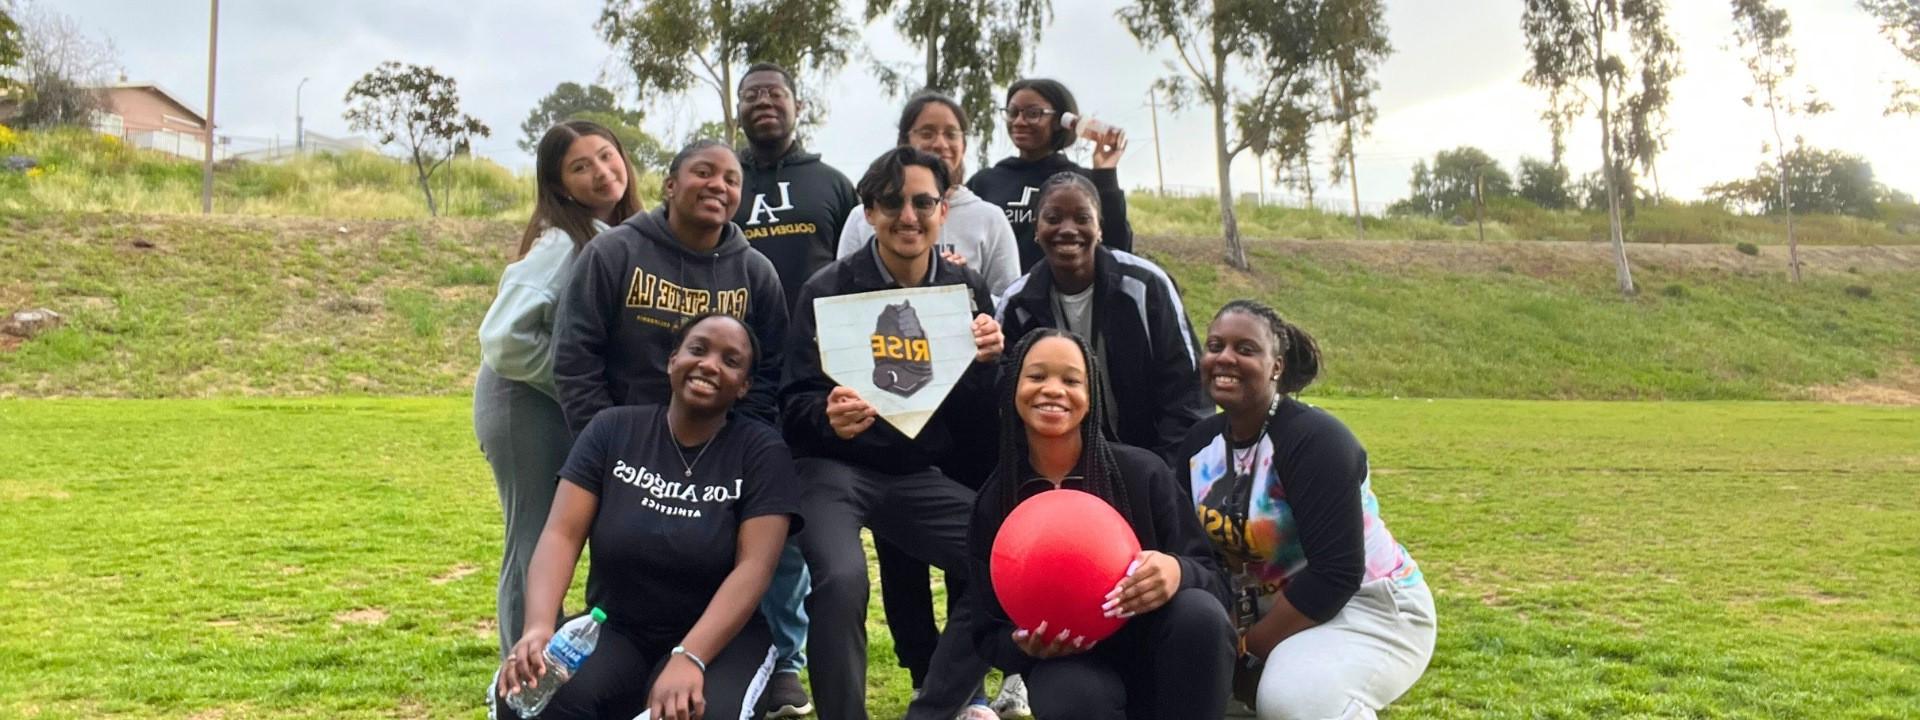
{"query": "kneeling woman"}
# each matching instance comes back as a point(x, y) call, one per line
point(1335, 618)
point(687, 512)
point(1173, 657)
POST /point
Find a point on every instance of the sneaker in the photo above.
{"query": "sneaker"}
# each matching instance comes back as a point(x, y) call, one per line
point(977, 712)
point(784, 698)
point(1012, 703)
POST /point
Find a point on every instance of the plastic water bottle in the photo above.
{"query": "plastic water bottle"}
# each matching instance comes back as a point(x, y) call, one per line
point(1086, 127)
point(564, 654)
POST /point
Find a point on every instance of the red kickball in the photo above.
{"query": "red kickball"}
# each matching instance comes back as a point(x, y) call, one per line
point(1057, 556)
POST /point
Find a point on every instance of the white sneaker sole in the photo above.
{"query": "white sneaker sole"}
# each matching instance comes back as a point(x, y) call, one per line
point(789, 711)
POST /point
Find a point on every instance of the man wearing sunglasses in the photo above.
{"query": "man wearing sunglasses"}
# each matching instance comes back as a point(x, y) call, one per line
point(859, 471)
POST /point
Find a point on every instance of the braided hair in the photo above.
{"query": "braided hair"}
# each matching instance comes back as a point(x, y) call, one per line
point(753, 341)
point(1297, 352)
point(1069, 180)
point(1103, 473)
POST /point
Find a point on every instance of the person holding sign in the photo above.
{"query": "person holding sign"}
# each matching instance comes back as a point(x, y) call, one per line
point(886, 473)
point(1173, 658)
point(1124, 305)
point(1335, 618)
point(687, 509)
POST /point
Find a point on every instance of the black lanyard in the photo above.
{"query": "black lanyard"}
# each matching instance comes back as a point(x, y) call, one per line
point(1244, 589)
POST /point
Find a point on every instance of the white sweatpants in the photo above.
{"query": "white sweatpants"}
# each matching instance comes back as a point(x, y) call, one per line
point(1351, 666)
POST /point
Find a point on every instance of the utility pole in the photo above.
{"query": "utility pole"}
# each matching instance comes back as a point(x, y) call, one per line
point(206, 166)
point(1159, 176)
point(1260, 172)
point(1480, 199)
point(299, 129)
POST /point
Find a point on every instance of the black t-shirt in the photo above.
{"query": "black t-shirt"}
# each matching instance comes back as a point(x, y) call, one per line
point(663, 541)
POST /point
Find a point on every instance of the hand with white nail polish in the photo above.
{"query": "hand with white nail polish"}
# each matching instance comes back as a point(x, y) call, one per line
point(1043, 645)
point(1150, 582)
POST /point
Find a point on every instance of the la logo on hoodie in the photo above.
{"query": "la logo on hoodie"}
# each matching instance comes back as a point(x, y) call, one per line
point(791, 210)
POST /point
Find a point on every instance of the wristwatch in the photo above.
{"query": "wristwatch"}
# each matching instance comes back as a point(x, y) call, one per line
point(697, 662)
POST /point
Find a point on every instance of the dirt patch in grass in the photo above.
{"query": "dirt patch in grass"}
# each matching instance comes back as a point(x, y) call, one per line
point(1900, 387)
point(457, 572)
point(363, 616)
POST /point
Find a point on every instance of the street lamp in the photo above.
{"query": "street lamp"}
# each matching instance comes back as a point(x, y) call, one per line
point(299, 134)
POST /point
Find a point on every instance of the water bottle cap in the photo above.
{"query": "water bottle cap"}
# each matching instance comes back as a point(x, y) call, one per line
point(1068, 120)
point(599, 615)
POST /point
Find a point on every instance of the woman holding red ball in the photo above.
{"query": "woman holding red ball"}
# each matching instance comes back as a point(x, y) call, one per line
point(1173, 658)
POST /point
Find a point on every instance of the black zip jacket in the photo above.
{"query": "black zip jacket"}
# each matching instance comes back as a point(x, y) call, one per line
point(1163, 520)
point(961, 435)
point(791, 210)
point(632, 287)
point(1149, 352)
point(1014, 185)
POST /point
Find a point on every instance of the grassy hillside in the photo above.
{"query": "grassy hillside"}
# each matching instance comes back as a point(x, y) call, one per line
point(85, 172)
point(81, 171)
point(177, 306)
point(1690, 223)
point(336, 558)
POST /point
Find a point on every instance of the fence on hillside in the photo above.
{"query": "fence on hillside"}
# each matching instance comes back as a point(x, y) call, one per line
point(1332, 204)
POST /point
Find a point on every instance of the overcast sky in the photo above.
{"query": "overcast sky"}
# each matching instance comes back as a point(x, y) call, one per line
point(1454, 79)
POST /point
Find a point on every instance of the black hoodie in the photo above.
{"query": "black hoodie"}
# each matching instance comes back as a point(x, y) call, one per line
point(632, 287)
point(1162, 518)
point(791, 209)
point(1014, 185)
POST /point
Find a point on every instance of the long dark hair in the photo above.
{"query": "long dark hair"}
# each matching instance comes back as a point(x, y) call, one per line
point(1298, 353)
point(1103, 474)
point(551, 206)
point(1062, 101)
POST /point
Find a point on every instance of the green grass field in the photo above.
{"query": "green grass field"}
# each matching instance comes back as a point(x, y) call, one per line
point(336, 558)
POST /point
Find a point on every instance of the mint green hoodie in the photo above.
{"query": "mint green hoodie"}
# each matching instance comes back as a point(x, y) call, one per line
point(516, 337)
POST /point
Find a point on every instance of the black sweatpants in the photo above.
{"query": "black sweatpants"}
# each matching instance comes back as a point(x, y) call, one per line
point(1174, 663)
point(614, 681)
point(906, 598)
point(926, 514)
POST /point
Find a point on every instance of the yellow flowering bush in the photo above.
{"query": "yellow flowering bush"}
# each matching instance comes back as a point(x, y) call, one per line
point(8, 139)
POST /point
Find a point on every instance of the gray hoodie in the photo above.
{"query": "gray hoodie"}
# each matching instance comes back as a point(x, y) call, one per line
point(632, 287)
point(974, 229)
point(516, 337)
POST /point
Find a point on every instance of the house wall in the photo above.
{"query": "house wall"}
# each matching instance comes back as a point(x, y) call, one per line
point(142, 109)
point(145, 118)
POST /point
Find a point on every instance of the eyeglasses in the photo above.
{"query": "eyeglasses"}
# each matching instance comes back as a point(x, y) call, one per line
point(1029, 114)
point(774, 93)
point(891, 205)
point(927, 134)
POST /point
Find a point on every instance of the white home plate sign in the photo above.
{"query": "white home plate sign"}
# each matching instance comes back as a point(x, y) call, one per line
point(902, 350)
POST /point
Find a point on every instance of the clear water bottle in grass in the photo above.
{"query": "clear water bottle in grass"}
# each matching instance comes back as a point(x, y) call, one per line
point(564, 654)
